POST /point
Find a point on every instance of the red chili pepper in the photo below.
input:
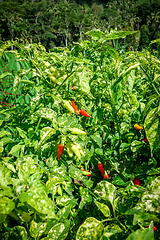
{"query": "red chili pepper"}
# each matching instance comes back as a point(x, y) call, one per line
point(106, 176)
point(84, 113)
point(60, 150)
point(136, 181)
point(45, 160)
point(74, 107)
point(101, 169)
point(145, 140)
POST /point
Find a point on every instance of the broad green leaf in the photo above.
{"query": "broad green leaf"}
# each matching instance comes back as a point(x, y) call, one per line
point(121, 34)
point(5, 174)
point(42, 204)
point(91, 229)
point(97, 139)
point(151, 197)
point(106, 191)
point(112, 51)
point(1, 147)
point(5, 191)
point(84, 84)
point(85, 198)
point(112, 229)
point(46, 113)
point(46, 133)
point(103, 208)
point(18, 233)
point(6, 140)
point(21, 132)
point(142, 234)
point(95, 34)
point(76, 173)
point(3, 133)
point(136, 146)
point(99, 151)
point(37, 229)
point(65, 211)
point(10, 166)
point(144, 217)
point(152, 128)
point(63, 200)
point(58, 231)
point(6, 205)
point(16, 149)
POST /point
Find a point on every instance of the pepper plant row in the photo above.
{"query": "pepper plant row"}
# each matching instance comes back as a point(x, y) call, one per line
point(79, 148)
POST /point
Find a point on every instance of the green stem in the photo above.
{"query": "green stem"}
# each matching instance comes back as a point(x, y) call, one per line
point(37, 125)
point(155, 89)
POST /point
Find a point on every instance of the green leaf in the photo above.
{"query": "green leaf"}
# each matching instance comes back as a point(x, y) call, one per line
point(97, 139)
point(120, 34)
point(6, 205)
point(112, 51)
point(136, 146)
point(151, 197)
point(106, 191)
point(112, 229)
point(95, 34)
point(6, 140)
point(142, 234)
point(103, 208)
point(42, 204)
point(46, 113)
point(63, 200)
point(37, 229)
point(22, 133)
point(10, 166)
point(85, 197)
point(1, 147)
point(152, 128)
point(18, 233)
point(58, 231)
point(65, 211)
point(3, 75)
point(45, 134)
point(144, 217)
point(5, 176)
point(16, 150)
point(3, 133)
point(91, 229)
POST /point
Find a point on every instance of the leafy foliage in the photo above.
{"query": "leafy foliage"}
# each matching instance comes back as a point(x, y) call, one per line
point(45, 198)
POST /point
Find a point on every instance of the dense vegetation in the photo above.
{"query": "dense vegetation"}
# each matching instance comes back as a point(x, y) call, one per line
point(86, 171)
point(60, 23)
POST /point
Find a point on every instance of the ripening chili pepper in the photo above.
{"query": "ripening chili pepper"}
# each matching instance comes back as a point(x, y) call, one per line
point(60, 150)
point(136, 126)
point(84, 113)
point(106, 176)
point(86, 173)
point(45, 160)
point(145, 140)
point(74, 107)
point(68, 106)
point(136, 181)
point(101, 169)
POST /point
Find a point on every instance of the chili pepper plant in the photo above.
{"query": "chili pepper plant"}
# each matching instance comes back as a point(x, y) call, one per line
point(79, 148)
